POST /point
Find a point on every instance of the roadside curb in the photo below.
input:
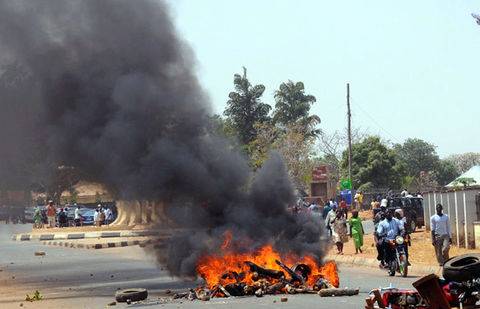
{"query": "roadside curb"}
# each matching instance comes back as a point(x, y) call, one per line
point(79, 235)
point(369, 262)
point(68, 244)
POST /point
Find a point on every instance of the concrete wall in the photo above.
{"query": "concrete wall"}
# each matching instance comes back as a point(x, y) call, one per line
point(461, 209)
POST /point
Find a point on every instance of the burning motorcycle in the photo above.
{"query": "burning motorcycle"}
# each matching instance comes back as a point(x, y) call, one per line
point(397, 257)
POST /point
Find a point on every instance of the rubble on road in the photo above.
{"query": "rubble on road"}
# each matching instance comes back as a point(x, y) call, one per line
point(459, 287)
point(39, 253)
point(35, 297)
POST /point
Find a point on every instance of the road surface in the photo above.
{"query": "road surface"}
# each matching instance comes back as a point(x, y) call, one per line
point(79, 278)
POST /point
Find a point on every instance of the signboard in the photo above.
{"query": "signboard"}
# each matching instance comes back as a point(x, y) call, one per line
point(320, 173)
point(345, 184)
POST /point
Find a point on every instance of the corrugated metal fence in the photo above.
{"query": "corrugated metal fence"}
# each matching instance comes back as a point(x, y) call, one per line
point(462, 209)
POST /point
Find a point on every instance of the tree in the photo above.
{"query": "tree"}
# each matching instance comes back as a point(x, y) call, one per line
point(446, 172)
point(244, 108)
point(291, 143)
point(292, 107)
point(463, 162)
point(374, 165)
point(331, 146)
point(297, 152)
point(417, 155)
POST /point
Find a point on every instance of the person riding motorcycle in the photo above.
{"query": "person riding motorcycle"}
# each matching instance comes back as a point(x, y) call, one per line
point(399, 215)
point(379, 216)
point(388, 229)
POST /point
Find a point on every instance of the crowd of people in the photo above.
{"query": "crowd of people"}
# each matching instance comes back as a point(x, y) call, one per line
point(51, 216)
point(342, 222)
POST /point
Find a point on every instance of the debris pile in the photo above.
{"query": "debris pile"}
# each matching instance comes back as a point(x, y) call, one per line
point(460, 286)
point(264, 272)
point(35, 297)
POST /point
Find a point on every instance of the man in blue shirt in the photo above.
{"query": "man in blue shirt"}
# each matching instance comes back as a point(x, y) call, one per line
point(388, 229)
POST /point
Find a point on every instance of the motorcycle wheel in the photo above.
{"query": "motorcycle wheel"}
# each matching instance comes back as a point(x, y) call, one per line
point(392, 269)
point(403, 267)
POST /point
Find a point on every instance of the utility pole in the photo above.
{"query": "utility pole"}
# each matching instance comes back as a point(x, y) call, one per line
point(349, 114)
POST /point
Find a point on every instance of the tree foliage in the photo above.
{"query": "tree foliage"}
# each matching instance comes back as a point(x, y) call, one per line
point(446, 172)
point(292, 107)
point(417, 155)
point(244, 107)
point(463, 162)
point(373, 164)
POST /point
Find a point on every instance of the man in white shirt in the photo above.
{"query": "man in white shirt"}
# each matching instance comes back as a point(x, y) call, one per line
point(384, 202)
point(77, 218)
point(108, 215)
point(441, 237)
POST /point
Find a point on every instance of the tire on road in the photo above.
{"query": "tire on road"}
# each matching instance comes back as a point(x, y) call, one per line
point(462, 268)
point(131, 294)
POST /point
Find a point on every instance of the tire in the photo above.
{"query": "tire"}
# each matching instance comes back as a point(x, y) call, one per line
point(123, 296)
point(392, 268)
point(462, 268)
point(403, 267)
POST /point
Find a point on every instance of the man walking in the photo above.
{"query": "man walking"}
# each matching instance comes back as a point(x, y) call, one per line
point(51, 214)
point(441, 237)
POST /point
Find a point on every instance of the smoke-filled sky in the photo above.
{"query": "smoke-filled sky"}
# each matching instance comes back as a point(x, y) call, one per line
point(107, 87)
point(413, 65)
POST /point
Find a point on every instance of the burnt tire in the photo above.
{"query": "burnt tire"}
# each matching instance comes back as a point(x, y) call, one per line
point(123, 296)
point(462, 268)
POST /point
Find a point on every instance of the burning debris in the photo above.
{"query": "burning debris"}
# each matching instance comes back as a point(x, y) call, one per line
point(263, 272)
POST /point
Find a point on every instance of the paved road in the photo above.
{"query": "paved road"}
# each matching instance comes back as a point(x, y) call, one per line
point(77, 278)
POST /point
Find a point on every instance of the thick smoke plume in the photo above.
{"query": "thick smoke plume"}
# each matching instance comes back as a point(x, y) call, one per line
point(108, 88)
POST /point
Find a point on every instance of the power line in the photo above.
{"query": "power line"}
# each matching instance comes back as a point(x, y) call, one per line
point(375, 121)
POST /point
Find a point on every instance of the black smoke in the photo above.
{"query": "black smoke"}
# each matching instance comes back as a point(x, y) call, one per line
point(109, 88)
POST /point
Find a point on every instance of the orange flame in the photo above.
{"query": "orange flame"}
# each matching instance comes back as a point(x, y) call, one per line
point(230, 267)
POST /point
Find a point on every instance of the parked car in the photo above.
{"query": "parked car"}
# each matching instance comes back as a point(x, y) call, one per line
point(28, 214)
point(87, 215)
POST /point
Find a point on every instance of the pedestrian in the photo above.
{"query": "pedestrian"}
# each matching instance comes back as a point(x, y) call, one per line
point(326, 210)
point(441, 237)
point(332, 214)
point(108, 215)
point(344, 207)
point(51, 214)
point(37, 218)
point(384, 202)
point(101, 216)
point(96, 217)
point(77, 218)
point(404, 193)
point(339, 231)
point(356, 231)
point(62, 218)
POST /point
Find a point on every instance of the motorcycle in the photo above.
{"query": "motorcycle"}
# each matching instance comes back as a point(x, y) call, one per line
point(397, 261)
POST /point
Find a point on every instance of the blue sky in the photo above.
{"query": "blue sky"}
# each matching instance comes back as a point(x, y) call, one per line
point(412, 65)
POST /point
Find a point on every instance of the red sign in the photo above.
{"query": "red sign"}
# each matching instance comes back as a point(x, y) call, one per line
point(320, 173)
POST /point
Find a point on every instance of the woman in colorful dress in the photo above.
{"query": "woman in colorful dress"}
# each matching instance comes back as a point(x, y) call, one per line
point(356, 231)
point(339, 231)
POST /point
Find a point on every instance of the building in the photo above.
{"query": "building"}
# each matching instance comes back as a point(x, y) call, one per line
point(322, 187)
